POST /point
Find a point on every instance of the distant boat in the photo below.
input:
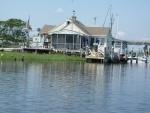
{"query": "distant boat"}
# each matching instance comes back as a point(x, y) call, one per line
point(143, 59)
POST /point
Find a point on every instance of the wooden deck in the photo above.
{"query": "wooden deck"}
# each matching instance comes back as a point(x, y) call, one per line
point(11, 49)
point(94, 57)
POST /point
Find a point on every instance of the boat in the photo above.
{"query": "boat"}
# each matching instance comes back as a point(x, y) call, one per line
point(120, 47)
point(143, 59)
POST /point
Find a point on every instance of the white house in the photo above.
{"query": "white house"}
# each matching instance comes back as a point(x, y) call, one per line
point(43, 40)
point(73, 35)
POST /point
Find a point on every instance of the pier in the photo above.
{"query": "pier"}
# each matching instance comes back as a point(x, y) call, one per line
point(129, 56)
point(11, 49)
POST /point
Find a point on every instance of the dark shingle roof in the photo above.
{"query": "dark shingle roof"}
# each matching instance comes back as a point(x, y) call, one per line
point(98, 30)
point(81, 26)
point(93, 31)
point(46, 29)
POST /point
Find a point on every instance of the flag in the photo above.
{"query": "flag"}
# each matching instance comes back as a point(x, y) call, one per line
point(28, 23)
point(85, 39)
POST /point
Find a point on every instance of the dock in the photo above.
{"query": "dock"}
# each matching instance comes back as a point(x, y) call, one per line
point(11, 49)
point(98, 59)
point(95, 57)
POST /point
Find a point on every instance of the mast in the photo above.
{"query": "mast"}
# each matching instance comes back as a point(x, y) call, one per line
point(107, 15)
point(117, 26)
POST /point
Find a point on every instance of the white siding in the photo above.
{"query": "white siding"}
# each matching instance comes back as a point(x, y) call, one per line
point(66, 28)
point(36, 39)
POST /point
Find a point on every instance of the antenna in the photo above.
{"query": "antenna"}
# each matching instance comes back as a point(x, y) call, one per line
point(95, 20)
point(72, 6)
point(73, 13)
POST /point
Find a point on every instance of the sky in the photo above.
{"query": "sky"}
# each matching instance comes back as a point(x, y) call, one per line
point(131, 16)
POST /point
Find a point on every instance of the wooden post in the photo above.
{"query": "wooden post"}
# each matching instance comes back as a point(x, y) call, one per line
point(112, 54)
point(104, 52)
point(131, 55)
point(146, 59)
point(146, 55)
point(36, 51)
point(119, 54)
point(22, 50)
point(49, 51)
point(80, 52)
point(137, 54)
point(86, 50)
point(125, 54)
point(63, 51)
point(80, 48)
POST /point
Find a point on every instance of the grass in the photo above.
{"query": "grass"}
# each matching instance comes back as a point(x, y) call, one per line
point(38, 57)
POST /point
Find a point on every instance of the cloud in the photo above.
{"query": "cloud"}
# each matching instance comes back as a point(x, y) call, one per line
point(59, 10)
point(121, 34)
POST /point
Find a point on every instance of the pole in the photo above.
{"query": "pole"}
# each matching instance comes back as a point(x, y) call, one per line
point(131, 54)
point(112, 53)
point(119, 54)
point(137, 54)
point(80, 48)
point(125, 54)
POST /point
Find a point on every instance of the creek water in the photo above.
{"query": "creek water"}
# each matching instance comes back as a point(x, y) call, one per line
point(74, 87)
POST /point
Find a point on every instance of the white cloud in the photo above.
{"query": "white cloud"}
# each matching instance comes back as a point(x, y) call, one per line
point(121, 34)
point(59, 10)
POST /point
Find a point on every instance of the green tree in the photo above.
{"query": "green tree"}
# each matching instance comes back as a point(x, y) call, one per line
point(13, 30)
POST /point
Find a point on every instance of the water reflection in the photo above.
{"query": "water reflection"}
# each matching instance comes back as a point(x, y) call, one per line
point(74, 87)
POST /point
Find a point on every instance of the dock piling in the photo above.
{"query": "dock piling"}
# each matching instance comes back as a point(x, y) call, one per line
point(131, 54)
point(125, 54)
point(137, 54)
point(112, 54)
point(119, 54)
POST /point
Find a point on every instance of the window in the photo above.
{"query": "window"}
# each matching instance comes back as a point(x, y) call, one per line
point(76, 39)
point(68, 22)
point(54, 38)
point(102, 41)
point(69, 38)
point(61, 38)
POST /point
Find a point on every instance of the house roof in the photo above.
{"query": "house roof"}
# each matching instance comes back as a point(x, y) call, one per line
point(98, 30)
point(93, 31)
point(46, 29)
point(81, 26)
point(89, 30)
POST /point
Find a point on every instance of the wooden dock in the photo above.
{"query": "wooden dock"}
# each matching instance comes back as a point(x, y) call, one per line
point(11, 49)
point(95, 59)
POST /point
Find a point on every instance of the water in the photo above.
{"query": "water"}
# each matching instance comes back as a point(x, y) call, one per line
point(61, 87)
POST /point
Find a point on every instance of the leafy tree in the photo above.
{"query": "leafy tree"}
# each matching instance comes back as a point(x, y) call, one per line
point(13, 30)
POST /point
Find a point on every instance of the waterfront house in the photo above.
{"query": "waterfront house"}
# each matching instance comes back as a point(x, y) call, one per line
point(74, 35)
point(43, 38)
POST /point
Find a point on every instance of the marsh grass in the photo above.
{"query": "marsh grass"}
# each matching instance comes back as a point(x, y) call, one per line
point(38, 57)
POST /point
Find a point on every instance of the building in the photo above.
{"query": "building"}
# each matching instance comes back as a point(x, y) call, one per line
point(74, 35)
point(43, 40)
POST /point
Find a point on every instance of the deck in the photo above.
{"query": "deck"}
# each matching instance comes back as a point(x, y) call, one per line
point(11, 49)
point(94, 57)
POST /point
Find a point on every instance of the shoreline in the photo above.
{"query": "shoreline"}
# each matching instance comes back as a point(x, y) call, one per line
point(38, 57)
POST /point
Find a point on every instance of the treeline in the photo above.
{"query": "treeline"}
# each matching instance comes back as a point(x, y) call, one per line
point(13, 31)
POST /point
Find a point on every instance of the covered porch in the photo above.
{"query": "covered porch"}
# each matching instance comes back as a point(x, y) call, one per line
point(69, 41)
